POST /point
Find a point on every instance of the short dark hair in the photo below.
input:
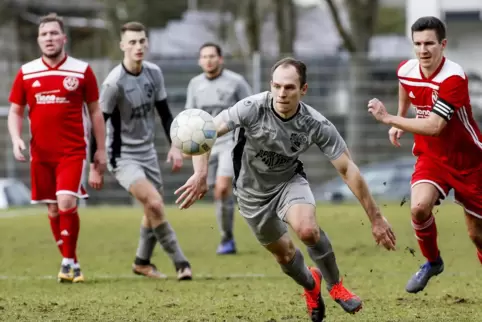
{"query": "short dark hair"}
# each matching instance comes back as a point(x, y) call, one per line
point(132, 26)
point(212, 44)
point(430, 23)
point(298, 64)
point(52, 17)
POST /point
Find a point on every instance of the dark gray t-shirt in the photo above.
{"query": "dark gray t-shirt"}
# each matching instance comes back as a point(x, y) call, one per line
point(130, 99)
point(267, 147)
point(217, 94)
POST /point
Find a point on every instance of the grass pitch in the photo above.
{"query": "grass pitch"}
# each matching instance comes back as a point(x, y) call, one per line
point(245, 287)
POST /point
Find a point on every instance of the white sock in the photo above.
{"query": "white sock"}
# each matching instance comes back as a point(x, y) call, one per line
point(68, 261)
point(76, 266)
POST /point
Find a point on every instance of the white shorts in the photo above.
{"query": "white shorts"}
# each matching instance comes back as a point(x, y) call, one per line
point(220, 164)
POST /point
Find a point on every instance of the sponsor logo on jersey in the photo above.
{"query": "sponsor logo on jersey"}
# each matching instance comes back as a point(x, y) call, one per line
point(272, 159)
point(50, 99)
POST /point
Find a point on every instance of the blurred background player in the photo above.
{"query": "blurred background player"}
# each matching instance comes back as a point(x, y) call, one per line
point(447, 142)
point(213, 91)
point(55, 87)
point(129, 95)
point(273, 130)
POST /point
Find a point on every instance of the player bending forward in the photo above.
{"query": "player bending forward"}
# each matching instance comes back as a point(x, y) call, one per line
point(447, 142)
point(213, 91)
point(129, 95)
point(272, 130)
point(55, 87)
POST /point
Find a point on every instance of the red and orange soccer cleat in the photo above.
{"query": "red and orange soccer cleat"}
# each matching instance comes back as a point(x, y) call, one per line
point(314, 301)
point(346, 299)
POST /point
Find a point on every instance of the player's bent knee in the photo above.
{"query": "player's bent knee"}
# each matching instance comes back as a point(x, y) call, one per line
point(421, 211)
point(308, 234)
point(222, 188)
point(52, 210)
point(155, 206)
point(66, 202)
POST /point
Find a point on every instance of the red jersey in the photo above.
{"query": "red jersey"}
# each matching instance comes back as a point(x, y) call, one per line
point(56, 98)
point(446, 93)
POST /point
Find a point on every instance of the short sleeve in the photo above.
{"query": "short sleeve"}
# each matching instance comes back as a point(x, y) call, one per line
point(239, 115)
point(161, 93)
point(452, 95)
point(91, 93)
point(328, 139)
point(17, 93)
point(108, 97)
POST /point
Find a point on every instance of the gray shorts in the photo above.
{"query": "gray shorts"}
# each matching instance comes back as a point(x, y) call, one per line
point(128, 170)
point(220, 164)
point(266, 217)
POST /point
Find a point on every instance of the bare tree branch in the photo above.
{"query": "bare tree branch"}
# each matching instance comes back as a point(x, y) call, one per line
point(347, 38)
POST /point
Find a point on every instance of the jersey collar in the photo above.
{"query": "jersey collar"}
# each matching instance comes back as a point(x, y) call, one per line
point(435, 73)
point(56, 66)
point(283, 119)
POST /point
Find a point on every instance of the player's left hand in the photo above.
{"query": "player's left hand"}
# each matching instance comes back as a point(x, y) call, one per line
point(383, 234)
point(174, 156)
point(194, 189)
point(96, 179)
point(377, 109)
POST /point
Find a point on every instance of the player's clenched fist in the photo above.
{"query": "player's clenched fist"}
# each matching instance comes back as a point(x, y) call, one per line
point(394, 135)
point(18, 148)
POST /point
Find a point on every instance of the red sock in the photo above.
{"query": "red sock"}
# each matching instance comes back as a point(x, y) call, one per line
point(426, 233)
point(69, 231)
point(479, 254)
point(55, 227)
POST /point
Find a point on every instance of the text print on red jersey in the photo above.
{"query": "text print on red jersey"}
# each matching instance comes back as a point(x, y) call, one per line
point(47, 98)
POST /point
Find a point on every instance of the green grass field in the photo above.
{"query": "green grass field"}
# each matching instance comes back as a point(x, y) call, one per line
point(246, 287)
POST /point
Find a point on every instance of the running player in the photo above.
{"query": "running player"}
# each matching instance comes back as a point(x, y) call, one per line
point(129, 95)
point(56, 87)
point(213, 91)
point(272, 130)
point(447, 142)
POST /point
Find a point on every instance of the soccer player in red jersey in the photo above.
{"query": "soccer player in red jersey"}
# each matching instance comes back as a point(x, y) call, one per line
point(447, 141)
point(55, 87)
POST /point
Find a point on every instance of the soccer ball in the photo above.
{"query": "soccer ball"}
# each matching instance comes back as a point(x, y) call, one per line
point(193, 131)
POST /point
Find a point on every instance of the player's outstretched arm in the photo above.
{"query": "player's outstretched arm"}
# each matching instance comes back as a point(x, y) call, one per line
point(351, 175)
point(15, 121)
point(430, 126)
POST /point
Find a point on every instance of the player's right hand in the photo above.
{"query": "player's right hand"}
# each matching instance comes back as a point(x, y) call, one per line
point(394, 135)
point(18, 148)
point(383, 233)
point(96, 179)
point(194, 189)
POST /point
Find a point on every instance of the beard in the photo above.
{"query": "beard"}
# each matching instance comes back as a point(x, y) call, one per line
point(53, 55)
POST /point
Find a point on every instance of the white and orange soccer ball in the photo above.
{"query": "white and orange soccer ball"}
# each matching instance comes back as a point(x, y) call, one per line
point(193, 132)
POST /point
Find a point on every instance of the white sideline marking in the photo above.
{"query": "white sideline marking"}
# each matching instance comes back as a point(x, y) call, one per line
point(132, 277)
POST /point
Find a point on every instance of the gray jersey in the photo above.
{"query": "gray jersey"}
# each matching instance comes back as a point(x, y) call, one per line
point(130, 100)
point(217, 94)
point(267, 148)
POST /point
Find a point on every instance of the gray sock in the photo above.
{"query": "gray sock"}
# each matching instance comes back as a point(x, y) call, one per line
point(298, 271)
point(147, 243)
point(322, 254)
point(225, 217)
point(167, 238)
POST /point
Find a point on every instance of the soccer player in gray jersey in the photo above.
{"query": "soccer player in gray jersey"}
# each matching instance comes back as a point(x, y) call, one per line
point(272, 130)
point(128, 97)
point(213, 91)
